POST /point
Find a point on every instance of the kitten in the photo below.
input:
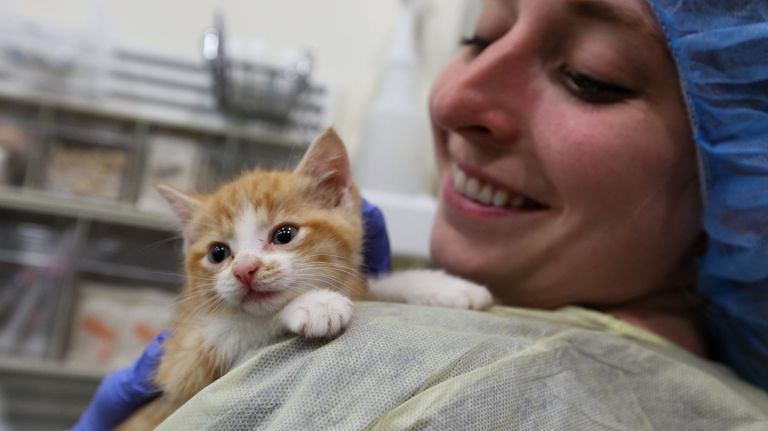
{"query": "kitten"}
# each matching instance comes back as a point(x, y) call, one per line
point(270, 251)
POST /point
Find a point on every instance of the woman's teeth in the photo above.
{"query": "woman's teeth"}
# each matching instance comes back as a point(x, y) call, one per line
point(487, 194)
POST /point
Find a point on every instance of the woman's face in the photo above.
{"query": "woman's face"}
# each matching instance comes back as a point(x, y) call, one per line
point(568, 172)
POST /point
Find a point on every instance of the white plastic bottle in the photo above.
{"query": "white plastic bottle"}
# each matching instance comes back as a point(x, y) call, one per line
point(395, 148)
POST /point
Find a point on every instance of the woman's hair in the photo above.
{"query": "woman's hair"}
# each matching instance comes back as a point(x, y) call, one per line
point(721, 51)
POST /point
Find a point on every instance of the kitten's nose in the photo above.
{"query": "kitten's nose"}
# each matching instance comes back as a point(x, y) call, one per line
point(244, 269)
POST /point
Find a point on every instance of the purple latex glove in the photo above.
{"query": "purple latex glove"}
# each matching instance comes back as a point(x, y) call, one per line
point(123, 391)
point(376, 254)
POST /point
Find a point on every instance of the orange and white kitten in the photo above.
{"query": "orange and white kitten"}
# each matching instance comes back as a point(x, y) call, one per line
point(269, 252)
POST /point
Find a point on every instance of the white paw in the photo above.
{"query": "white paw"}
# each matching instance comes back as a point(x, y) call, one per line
point(454, 292)
point(429, 287)
point(319, 313)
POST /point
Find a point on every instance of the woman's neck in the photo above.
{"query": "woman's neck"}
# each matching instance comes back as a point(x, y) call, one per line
point(672, 315)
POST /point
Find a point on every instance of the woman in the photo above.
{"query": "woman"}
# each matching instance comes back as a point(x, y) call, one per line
point(565, 146)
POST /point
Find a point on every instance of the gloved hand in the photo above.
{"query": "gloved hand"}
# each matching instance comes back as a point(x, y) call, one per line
point(376, 254)
point(123, 391)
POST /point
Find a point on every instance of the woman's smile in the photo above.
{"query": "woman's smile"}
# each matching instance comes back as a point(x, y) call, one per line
point(476, 201)
point(488, 192)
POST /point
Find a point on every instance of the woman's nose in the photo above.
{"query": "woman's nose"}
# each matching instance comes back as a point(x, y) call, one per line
point(481, 97)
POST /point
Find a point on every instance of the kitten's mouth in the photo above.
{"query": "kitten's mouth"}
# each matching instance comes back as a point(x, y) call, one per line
point(490, 195)
point(259, 295)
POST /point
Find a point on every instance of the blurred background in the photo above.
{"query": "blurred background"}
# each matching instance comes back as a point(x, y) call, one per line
point(99, 100)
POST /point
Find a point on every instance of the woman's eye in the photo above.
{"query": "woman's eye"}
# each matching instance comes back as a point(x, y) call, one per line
point(476, 42)
point(595, 91)
point(284, 234)
point(219, 252)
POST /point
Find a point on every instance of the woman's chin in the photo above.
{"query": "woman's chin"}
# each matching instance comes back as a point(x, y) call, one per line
point(455, 254)
point(512, 282)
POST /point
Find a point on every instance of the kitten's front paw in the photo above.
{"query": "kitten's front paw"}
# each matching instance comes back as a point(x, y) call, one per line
point(319, 313)
point(429, 287)
point(454, 292)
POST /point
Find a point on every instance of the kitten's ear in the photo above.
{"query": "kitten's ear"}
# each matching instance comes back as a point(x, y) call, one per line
point(326, 162)
point(183, 204)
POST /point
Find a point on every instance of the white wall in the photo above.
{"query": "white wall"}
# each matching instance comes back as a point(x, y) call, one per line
point(349, 37)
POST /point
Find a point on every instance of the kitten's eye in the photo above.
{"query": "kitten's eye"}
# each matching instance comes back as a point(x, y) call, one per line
point(219, 252)
point(284, 234)
point(594, 91)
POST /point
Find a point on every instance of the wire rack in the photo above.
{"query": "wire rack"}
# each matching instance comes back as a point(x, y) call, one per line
point(249, 89)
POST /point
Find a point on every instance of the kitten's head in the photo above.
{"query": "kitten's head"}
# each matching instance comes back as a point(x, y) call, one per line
point(268, 236)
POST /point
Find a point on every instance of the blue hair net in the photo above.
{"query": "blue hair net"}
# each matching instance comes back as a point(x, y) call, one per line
point(721, 50)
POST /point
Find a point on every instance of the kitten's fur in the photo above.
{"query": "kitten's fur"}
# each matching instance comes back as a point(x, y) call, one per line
point(313, 278)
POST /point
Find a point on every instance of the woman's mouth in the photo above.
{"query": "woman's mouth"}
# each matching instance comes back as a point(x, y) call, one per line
point(490, 195)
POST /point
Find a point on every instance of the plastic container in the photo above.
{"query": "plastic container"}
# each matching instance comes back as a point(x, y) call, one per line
point(15, 146)
point(395, 147)
point(91, 171)
point(133, 253)
point(30, 290)
point(113, 323)
point(172, 160)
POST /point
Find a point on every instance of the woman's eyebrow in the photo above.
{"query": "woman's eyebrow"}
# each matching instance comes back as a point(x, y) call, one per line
point(601, 10)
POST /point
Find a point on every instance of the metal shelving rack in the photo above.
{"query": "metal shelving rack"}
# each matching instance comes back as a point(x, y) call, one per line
point(142, 93)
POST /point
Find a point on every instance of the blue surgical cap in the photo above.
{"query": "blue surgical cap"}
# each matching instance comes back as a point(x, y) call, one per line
point(721, 50)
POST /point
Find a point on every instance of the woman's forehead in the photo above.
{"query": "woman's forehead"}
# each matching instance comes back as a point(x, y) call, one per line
point(632, 15)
